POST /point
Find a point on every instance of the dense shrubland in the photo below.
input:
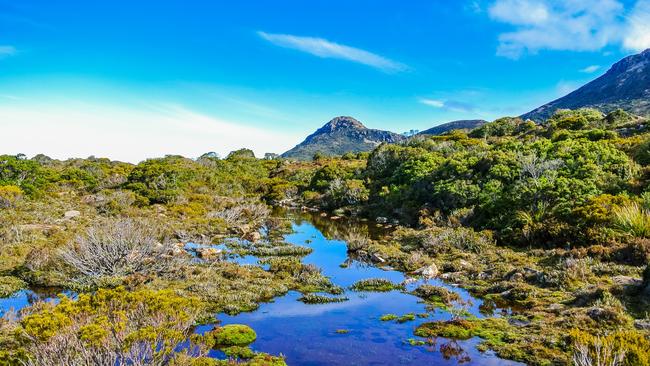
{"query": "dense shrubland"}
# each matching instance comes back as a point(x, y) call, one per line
point(550, 220)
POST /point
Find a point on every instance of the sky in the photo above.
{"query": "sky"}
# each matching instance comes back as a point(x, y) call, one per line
point(131, 80)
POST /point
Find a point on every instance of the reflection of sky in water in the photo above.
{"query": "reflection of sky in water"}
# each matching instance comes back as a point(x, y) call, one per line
point(24, 298)
point(306, 334)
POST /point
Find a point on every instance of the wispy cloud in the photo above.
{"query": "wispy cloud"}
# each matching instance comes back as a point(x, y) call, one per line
point(6, 51)
point(637, 32)
point(326, 49)
point(590, 69)
point(432, 102)
point(450, 105)
point(577, 25)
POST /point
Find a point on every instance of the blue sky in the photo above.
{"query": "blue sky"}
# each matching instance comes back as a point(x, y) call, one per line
point(137, 79)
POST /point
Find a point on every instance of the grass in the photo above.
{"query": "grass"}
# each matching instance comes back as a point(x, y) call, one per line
point(321, 299)
point(632, 220)
point(375, 284)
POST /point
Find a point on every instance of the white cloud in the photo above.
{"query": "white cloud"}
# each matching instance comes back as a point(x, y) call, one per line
point(81, 130)
point(450, 105)
point(637, 35)
point(7, 51)
point(326, 49)
point(522, 12)
point(590, 69)
point(432, 102)
point(576, 25)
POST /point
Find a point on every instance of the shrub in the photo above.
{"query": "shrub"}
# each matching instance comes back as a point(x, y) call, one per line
point(113, 327)
point(9, 196)
point(118, 247)
point(624, 348)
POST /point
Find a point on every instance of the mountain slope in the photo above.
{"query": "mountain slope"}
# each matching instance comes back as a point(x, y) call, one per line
point(625, 85)
point(341, 135)
point(454, 125)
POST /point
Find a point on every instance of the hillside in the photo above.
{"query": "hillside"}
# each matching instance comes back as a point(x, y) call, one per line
point(625, 85)
point(454, 125)
point(339, 136)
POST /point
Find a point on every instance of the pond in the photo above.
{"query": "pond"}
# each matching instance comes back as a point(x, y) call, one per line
point(344, 333)
point(306, 334)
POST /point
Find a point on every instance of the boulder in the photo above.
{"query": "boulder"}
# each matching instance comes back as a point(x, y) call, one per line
point(381, 220)
point(642, 324)
point(430, 271)
point(376, 258)
point(626, 281)
point(253, 236)
point(71, 214)
point(208, 253)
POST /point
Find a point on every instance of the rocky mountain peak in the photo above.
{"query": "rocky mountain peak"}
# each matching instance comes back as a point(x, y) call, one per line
point(342, 122)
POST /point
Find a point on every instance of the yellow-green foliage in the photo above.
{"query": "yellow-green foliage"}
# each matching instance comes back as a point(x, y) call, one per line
point(233, 335)
point(9, 195)
point(113, 323)
point(9, 285)
point(632, 346)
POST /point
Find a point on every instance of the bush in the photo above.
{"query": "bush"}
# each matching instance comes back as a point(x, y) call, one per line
point(114, 248)
point(9, 196)
point(113, 327)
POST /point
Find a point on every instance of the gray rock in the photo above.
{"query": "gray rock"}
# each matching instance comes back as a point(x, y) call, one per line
point(642, 324)
point(376, 258)
point(71, 214)
point(381, 220)
point(430, 271)
point(626, 281)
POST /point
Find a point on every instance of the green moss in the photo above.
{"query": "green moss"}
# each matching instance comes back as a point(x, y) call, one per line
point(388, 317)
point(9, 285)
point(233, 335)
point(320, 299)
point(437, 295)
point(375, 284)
point(238, 352)
point(406, 318)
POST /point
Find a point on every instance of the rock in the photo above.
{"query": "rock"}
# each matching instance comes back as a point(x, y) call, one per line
point(323, 214)
point(601, 314)
point(626, 281)
point(71, 214)
point(464, 264)
point(253, 236)
point(430, 271)
point(208, 253)
point(334, 218)
point(642, 324)
point(381, 220)
point(376, 258)
point(555, 308)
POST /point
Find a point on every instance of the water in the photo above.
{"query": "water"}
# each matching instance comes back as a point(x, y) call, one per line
point(307, 334)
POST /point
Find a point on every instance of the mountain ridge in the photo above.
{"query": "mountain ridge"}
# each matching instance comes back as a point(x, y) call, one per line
point(341, 135)
point(626, 85)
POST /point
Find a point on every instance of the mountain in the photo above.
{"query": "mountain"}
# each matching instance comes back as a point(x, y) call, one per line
point(339, 136)
point(454, 125)
point(625, 85)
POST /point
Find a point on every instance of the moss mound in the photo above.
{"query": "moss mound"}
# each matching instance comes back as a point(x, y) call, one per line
point(234, 335)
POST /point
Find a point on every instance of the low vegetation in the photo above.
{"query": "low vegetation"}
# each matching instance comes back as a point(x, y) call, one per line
point(550, 221)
